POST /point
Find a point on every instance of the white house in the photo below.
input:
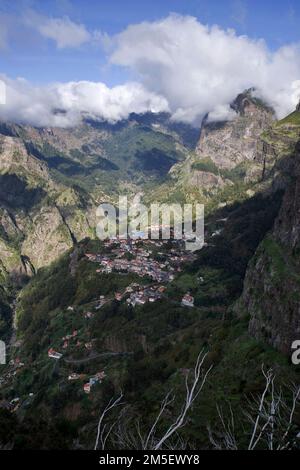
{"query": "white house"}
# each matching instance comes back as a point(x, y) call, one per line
point(54, 354)
point(187, 301)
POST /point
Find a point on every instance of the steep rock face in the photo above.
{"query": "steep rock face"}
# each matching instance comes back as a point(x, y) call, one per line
point(15, 159)
point(206, 179)
point(39, 217)
point(233, 142)
point(271, 294)
point(48, 237)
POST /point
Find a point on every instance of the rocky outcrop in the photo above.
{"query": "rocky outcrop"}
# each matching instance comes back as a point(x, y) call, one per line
point(40, 217)
point(48, 238)
point(16, 160)
point(206, 180)
point(271, 294)
point(230, 143)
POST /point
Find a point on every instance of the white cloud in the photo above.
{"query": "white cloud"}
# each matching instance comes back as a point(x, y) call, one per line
point(64, 104)
point(63, 31)
point(221, 113)
point(178, 64)
point(199, 68)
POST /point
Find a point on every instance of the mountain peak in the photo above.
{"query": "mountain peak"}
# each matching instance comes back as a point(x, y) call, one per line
point(247, 100)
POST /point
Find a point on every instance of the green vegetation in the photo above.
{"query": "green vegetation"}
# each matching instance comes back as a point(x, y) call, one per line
point(145, 350)
point(150, 343)
point(206, 164)
point(293, 119)
point(236, 174)
point(275, 254)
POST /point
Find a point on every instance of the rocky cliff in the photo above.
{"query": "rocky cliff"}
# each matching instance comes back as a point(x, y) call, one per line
point(227, 152)
point(52, 179)
point(39, 217)
point(229, 143)
point(271, 293)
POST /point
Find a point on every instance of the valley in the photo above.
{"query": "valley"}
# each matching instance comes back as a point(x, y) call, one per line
point(95, 319)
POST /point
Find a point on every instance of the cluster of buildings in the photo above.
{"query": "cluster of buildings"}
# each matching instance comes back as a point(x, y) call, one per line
point(137, 294)
point(14, 404)
point(145, 294)
point(66, 339)
point(140, 265)
point(132, 256)
point(97, 378)
point(137, 257)
point(15, 367)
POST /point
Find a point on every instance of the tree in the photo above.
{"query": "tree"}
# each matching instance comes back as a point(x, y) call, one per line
point(127, 434)
point(269, 417)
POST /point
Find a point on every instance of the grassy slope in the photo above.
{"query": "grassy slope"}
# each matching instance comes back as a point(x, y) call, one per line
point(293, 118)
point(174, 335)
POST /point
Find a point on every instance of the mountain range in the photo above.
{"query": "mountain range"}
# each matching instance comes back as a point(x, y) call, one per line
point(244, 282)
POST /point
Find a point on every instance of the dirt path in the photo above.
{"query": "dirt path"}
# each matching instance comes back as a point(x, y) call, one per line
point(95, 356)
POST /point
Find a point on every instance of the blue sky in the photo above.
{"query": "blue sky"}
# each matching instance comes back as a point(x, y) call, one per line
point(108, 58)
point(40, 61)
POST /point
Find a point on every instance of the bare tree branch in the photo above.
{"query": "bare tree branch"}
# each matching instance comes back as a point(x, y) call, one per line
point(191, 395)
point(101, 429)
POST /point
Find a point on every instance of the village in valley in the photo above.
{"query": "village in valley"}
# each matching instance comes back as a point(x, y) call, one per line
point(155, 262)
point(148, 259)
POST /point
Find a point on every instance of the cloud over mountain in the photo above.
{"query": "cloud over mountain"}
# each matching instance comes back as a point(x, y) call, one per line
point(64, 104)
point(177, 64)
point(199, 68)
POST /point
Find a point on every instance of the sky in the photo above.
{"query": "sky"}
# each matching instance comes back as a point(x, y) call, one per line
point(108, 58)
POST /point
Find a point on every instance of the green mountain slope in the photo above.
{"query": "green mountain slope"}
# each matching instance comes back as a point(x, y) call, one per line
point(79, 308)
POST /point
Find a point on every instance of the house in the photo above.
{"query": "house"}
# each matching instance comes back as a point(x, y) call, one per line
point(74, 376)
point(91, 256)
point(187, 301)
point(93, 381)
point(88, 315)
point(87, 388)
point(161, 289)
point(65, 345)
point(88, 346)
point(100, 375)
point(141, 300)
point(54, 354)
